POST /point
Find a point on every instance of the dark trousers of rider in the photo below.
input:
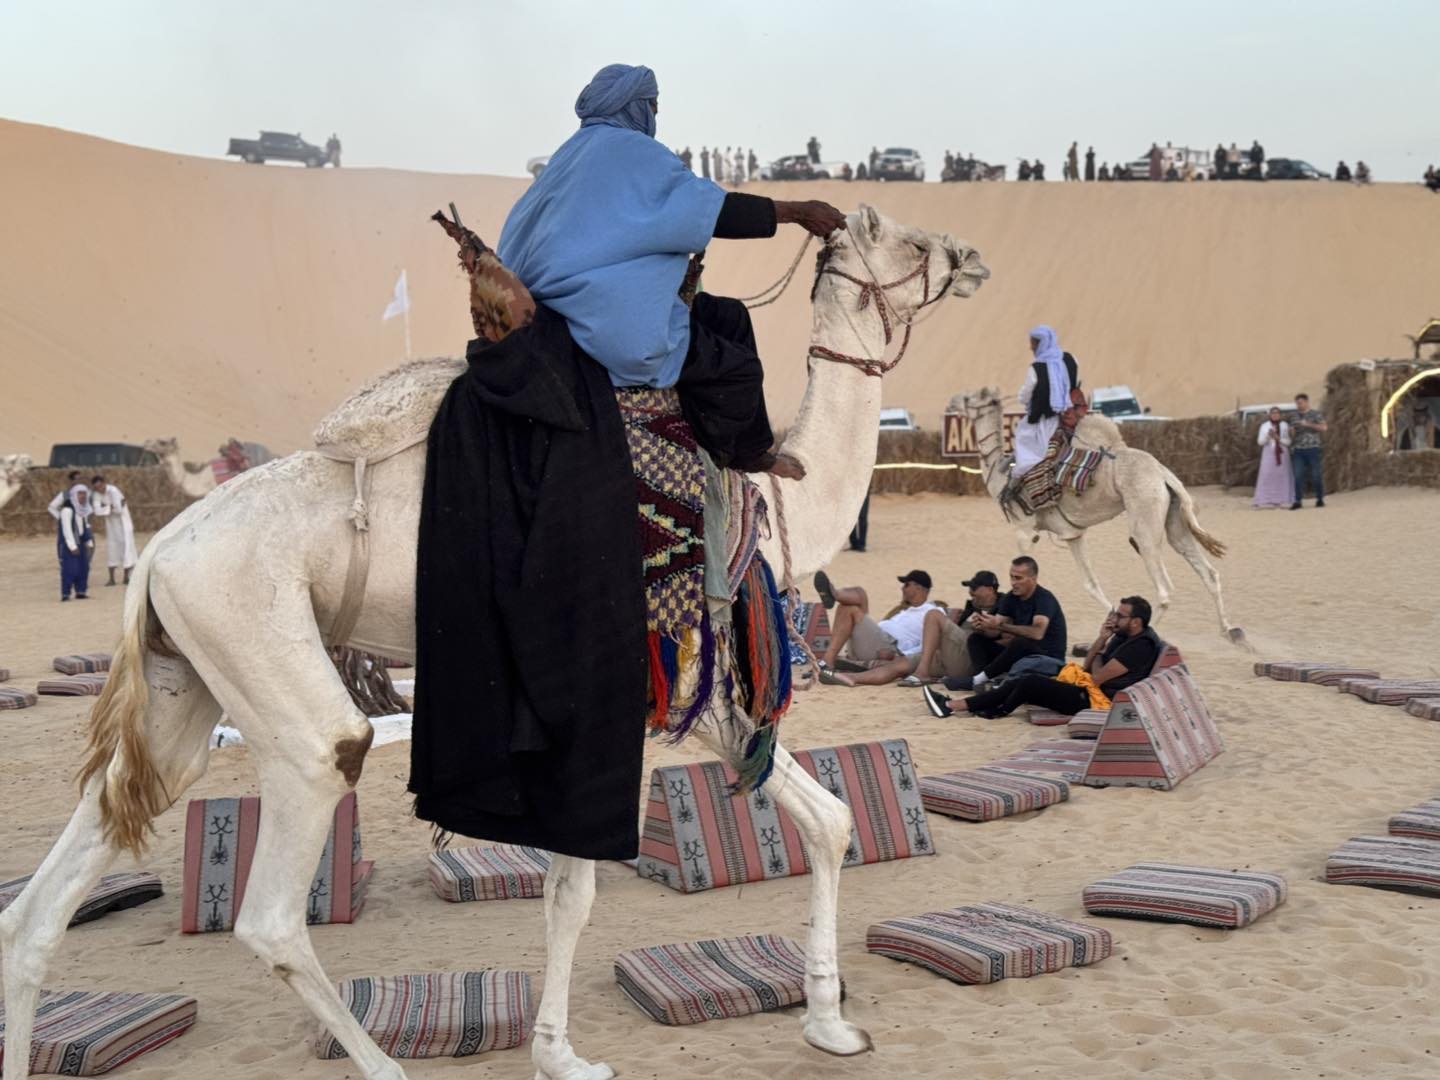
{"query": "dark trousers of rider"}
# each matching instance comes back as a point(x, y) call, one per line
point(1039, 690)
point(993, 658)
point(722, 385)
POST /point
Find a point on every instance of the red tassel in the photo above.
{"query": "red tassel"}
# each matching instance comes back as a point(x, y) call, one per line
point(659, 687)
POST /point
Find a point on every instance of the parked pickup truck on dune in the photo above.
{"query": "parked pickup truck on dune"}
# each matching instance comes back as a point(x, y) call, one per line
point(277, 146)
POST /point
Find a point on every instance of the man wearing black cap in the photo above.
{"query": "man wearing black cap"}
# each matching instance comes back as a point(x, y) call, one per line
point(894, 637)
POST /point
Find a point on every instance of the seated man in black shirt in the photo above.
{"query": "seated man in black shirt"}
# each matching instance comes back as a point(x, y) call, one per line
point(1123, 654)
point(1028, 622)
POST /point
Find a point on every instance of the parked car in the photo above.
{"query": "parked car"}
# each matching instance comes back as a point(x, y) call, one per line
point(899, 163)
point(1281, 168)
point(278, 146)
point(1120, 404)
point(800, 167)
point(1246, 413)
point(898, 420)
point(94, 455)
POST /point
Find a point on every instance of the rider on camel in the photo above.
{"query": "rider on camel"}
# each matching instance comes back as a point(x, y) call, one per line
point(604, 238)
point(1051, 399)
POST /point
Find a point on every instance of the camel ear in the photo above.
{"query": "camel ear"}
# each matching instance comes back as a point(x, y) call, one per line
point(871, 223)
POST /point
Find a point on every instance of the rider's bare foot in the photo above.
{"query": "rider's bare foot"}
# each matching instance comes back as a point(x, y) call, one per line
point(787, 468)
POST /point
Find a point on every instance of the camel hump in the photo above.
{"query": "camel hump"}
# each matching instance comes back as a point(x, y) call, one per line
point(391, 411)
point(1096, 431)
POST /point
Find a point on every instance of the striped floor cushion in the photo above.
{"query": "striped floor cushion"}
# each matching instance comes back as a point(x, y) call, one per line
point(503, 872)
point(1306, 671)
point(695, 981)
point(1065, 759)
point(86, 1034)
point(12, 697)
point(1190, 894)
point(1387, 862)
point(1048, 717)
point(441, 1014)
point(115, 892)
point(1427, 708)
point(1422, 821)
point(1395, 691)
point(988, 793)
point(73, 685)
point(1087, 724)
point(80, 663)
point(698, 836)
point(983, 943)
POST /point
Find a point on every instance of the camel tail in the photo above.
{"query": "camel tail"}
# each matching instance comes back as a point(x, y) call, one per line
point(1187, 510)
point(119, 752)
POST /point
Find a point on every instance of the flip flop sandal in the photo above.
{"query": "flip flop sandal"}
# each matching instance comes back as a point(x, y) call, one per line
point(913, 681)
point(829, 678)
point(825, 589)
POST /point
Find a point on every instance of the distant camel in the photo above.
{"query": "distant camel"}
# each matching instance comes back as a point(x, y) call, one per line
point(197, 481)
point(13, 468)
point(232, 605)
point(1127, 481)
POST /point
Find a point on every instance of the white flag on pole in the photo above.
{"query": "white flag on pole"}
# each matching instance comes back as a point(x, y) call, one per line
point(400, 302)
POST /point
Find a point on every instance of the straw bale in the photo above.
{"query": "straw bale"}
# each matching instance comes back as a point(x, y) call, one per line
point(154, 498)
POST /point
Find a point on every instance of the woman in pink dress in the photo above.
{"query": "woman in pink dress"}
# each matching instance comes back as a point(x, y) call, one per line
point(1276, 483)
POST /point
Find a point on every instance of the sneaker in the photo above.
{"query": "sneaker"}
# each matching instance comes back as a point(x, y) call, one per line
point(936, 702)
point(825, 589)
point(1319, 503)
point(1295, 505)
point(959, 682)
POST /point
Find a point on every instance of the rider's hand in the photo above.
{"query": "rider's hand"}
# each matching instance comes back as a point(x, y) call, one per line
point(816, 217)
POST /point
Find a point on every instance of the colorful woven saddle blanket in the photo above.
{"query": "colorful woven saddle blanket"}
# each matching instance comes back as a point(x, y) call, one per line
point(687, 644)
point(1076, 467)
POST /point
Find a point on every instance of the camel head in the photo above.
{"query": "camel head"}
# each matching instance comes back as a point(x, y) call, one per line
point(13, 468)
point(975, 402)
point(875, 248)
point(164, 448)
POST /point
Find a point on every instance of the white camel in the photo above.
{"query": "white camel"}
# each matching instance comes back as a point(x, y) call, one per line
point(196, 481)
point(257, 651)
point(13, 468)
point(1127, 481)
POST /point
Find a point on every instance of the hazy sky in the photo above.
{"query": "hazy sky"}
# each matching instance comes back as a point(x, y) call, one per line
point(481, 86)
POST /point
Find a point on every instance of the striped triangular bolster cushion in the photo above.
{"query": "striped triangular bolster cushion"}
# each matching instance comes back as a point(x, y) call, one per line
point(115, 892)
point(1190, 894)
point(1397, 691)
point(1427, 708)
point(80, 663)
point(988, 793)
point(695, 981)
point(1087, 724)
point(1422, 821)
point(441, 1014)
point(12, 697)
point(503, 872)
point(1387, 862)
point(984, 943)
point(73, 686)
point(86, 1034)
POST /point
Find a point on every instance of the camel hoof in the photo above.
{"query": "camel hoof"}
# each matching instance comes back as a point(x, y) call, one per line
point(583, 1071)
point(838, 1037)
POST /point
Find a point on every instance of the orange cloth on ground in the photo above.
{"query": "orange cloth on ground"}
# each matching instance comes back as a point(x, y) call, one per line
point(1076, 675)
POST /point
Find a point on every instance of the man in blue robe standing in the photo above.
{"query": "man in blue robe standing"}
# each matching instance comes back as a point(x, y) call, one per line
point(604, 238)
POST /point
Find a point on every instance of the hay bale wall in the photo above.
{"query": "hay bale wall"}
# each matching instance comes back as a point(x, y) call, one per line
point(154, 498)
point(1355, 454)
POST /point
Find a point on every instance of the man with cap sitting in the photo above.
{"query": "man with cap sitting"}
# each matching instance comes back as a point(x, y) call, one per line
point(1028, 623)
point(942, 642)
point(893, 638)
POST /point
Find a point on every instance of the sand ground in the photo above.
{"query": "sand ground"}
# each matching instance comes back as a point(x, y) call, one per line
point(1340, 982)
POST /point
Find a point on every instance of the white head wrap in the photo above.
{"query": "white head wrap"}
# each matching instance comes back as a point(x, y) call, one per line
point(85, 511)
point(1052, 356)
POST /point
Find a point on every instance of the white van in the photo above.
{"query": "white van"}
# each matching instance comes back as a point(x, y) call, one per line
point(898, 420)
point(1120, 404)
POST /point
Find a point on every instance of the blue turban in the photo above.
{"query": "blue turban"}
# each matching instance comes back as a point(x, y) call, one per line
point(619, 96)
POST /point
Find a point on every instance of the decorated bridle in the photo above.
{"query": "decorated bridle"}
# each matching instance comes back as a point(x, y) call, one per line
point(874, 290)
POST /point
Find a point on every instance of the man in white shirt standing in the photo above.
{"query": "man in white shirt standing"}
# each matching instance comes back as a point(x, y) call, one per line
point(110, 503)
point(898, 635)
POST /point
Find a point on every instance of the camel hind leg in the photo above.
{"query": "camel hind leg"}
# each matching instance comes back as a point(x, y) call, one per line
point(1186, 543)
point(1147, 536)
point(179, 716)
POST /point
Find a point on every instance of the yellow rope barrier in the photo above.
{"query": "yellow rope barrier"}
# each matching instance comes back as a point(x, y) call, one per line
point(1395, 399)
point(925, 465)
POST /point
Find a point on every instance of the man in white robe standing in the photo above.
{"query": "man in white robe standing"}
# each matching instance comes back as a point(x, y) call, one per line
point(110, 503)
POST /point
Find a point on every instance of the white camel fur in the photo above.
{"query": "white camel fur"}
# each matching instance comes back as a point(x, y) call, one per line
point(13, 468)
point(258, 653)
point(1127, 481)
point(197, 481)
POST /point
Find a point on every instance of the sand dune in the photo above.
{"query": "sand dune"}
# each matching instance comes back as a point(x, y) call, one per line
point(144, 293)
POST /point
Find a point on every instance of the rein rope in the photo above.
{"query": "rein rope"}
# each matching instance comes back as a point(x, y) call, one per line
point(778, 287)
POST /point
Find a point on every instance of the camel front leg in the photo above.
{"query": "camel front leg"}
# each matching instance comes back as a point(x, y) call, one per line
point(825, 823)
point(1081, 555)
point(569, 892)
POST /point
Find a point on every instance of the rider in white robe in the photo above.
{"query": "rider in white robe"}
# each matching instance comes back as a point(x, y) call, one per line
point(1032, 434)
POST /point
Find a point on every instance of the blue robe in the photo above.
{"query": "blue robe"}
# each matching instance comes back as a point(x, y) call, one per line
point(604, 237)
